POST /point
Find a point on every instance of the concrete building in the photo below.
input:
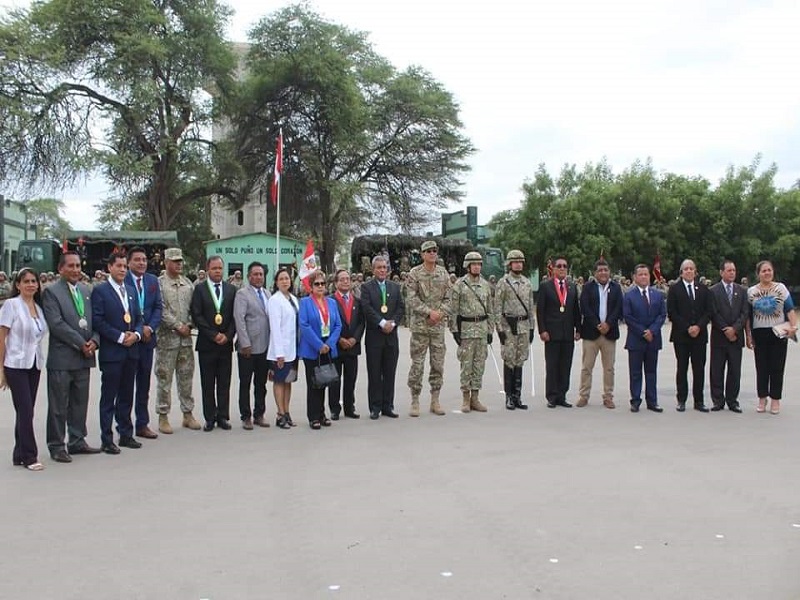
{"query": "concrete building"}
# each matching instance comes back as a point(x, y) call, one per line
point(240, 250)
point(14, 227)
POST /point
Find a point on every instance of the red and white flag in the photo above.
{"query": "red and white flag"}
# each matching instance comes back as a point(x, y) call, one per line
point(276, 178)
point(657, 267)
point(308, 266)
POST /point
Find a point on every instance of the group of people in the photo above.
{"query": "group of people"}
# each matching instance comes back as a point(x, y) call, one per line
point(134, 319)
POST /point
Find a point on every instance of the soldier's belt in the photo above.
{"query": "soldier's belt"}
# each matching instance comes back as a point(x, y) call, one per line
point(513, 322)
point(460, 319)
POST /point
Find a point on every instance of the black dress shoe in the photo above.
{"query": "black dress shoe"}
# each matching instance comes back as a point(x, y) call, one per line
point(129, 442)
point(634, 408)
point(564, 403)
point(209, 426)
point(61, 456)
point(735, 408)
point(655, 408)
point(334, 416)
point(701, 408)
point(390, 413)
point(551, 404)
point(224, 424)
point(110, 448)
point(83, 448)
point(352, 415)
point(681, 407)
point(717, 407)
point(374, 415)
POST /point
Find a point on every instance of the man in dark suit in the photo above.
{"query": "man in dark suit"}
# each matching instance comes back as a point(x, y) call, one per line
point(559, 317)
point(212, 313)
point(352, 318)
point(644, 311)
point(601, 310)
point(119, 323)
point(383, 309)
point(729, 313)
point(148, 303)
point(67, 308)
point(688, 307)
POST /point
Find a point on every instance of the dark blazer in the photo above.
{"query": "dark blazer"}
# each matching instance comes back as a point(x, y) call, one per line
point(311, 327)
point(356, 327)
point(108, 320)
point(590, 310)
point(152, 303)
point(371, 305)
point(203, 312)
point(683, 312)
point(725, 314)
point(65, 346)
point(639, 316)
point(560, 326)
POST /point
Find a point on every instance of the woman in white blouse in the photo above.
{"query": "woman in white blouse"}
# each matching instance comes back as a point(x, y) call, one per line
point(22, 327)
point(282, 350)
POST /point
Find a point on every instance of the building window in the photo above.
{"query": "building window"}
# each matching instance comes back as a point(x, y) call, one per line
point(240, 218)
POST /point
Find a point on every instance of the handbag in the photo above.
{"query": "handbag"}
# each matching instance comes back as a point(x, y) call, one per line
point(324, 375)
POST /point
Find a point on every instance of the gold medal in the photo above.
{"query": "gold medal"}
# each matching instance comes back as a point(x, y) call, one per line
point(384, 309)
point(127, 318)
point(218, 319)
point(561, 309)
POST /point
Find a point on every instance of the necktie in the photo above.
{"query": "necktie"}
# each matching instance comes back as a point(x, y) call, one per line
point(122, 293)
point(561, 283)
point(646, 299)
point(690, 289)
point(216, 290)
point(139, 284)
point(345, 298)
point(261, 297)
point(729, 290)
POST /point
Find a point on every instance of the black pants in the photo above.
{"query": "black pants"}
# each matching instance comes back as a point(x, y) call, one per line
point(770, 354)
point(725, 388)
point(67, 405)
point(381, 370)
point(142, 397)
point(345, 388)
point(24, 383)
point(315, 398)
point(696, 354)
point(558, 364)
point(215, 379)
point(253, 368)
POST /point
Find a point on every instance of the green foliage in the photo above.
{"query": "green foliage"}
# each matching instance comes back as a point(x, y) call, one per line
point(632, 216)
point(46, 213)
point(365, 144)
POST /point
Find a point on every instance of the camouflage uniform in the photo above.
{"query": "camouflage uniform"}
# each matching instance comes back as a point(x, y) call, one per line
point(174, 353)
point(515, 327)
point(426, 291)
point(472, 319)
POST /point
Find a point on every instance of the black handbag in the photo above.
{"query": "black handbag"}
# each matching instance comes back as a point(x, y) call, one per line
point(324, 375)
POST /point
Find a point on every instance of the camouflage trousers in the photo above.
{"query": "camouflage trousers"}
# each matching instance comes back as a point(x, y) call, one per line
point(421, 342)
point(515, 350)
point(174, 361)
point(472, 354)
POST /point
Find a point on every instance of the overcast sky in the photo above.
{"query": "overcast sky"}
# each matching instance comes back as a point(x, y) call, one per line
point(694, 85)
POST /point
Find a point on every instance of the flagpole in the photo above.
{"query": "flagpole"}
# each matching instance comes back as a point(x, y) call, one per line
point(278, 172)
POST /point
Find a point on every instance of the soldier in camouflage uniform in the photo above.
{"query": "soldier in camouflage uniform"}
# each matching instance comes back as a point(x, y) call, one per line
point(514, 316)
point(174, 354)
point(428, 293)
point(472, 321)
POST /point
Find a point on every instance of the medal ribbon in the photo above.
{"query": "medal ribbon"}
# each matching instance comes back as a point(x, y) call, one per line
point(323, 311)
point(77, 299)
point(140, 293)
point(347, 306)
point(217, 301)
point(383, 292)
point(561, 290)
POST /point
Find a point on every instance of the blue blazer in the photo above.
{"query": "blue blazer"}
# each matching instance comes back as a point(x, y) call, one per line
point(311, 328)
point(152, 303)
point(108, 321)
point(639, 317)
point(590, 310)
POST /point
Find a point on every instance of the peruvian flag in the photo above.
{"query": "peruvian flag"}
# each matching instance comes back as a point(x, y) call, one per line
point(657, 267)
point(276, 179)
point(308, 266)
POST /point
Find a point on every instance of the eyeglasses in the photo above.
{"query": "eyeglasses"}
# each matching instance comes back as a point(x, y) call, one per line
point(319, 284)
point(561, 265)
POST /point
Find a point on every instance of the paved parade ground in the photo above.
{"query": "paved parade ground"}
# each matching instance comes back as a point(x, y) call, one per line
point(581, 503)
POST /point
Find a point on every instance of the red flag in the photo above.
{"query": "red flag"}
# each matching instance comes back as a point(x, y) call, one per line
point(549, 268)
point(657, 267)
point(65, 245)
point(308, 266)
point(276, 178)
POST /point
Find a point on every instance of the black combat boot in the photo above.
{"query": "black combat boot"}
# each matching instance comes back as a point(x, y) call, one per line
point(518, 389)
point(509, 386)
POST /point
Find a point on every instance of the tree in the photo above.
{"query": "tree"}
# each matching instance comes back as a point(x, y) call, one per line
point(45, 214)
point(118, 85)
point(364, 143)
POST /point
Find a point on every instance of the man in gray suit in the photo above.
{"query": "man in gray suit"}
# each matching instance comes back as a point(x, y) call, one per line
point(71, 354)
point(729, 313)
point(252, 339)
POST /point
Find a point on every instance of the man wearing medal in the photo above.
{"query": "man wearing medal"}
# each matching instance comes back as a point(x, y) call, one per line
point(148, 303)
point(71, 351)
point(212, 313)
point(119, 322)
point(559, 317)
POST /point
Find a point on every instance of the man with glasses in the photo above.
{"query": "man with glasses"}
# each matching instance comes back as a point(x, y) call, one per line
point(559, 316)
point(428, 293)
